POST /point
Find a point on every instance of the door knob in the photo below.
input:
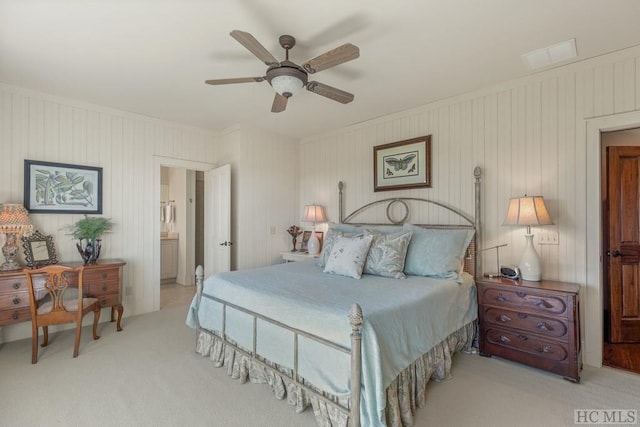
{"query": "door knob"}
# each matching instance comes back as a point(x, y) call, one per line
point(616, 253)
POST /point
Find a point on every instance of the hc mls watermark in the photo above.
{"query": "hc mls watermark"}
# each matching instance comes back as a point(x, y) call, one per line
point(605, 416)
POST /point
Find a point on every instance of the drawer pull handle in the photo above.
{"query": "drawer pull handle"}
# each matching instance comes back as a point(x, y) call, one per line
point(104, 288)
point(543, 326)
point(15, 315)
point(544, 304)
point(523, 337)
point(504, 339)
point(16, 285)
point(104, 275)
point(16, 300)
point(521, 294)
point(501, 298)
point(545, 349)
point(504, 318)
point(523, 315)
point(103, 302)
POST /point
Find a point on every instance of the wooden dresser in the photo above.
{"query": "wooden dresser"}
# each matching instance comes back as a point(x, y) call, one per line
point(102, 280)
point(534, 323)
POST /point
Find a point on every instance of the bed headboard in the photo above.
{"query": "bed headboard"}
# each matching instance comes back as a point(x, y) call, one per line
point(472, 261)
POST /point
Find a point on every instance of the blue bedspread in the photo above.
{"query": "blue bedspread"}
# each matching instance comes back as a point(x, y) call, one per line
point(403, 319)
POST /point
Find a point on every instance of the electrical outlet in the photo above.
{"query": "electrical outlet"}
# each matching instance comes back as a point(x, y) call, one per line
point(272, 230)
point(549, 238)
point(128, 291)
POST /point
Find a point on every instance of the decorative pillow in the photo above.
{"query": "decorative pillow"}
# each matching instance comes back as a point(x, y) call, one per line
point(330, 238)
point(387, 254)
point(436, 252)
point(348, 256)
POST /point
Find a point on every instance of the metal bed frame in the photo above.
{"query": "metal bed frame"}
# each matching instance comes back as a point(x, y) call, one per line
point(355, 314)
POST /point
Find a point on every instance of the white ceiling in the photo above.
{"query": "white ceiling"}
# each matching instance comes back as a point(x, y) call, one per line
point(152, 56)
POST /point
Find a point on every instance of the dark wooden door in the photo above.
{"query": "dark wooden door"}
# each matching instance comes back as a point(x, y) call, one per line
point(622, 207)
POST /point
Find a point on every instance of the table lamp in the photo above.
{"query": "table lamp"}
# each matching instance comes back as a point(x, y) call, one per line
point(314, 214)
point(528, 210)
point(14, 220)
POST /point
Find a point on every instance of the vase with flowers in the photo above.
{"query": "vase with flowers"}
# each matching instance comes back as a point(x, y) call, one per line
point(294, 231)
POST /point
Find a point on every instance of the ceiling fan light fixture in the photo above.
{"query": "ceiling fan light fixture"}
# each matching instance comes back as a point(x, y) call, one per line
point(287, 79)
point(287, 85)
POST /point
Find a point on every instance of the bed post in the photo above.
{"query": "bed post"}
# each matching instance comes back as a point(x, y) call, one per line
point(477, 173)
point(355, 319)
point(199, 280)
point(340, 208)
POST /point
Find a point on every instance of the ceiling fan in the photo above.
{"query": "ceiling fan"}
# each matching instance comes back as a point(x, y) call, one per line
point(286, 77)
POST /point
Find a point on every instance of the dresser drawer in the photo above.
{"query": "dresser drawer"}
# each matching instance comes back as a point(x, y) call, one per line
point(108, 300)
point(556, 328)
point(101, 275)
point(16, 315)
point(102, 287)
point(14, 300)
point(12, 284)
point(523, 299)
point(527, 344)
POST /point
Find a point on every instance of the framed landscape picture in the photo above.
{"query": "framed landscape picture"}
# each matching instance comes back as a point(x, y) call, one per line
point(62, 188)
point(402, 165)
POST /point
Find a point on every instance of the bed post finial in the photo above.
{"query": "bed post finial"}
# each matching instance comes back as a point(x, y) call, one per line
point(199, 284)
point(355, 319)
point(340, 212)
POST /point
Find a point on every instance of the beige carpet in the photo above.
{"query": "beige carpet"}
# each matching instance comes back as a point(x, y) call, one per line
point(149, 375)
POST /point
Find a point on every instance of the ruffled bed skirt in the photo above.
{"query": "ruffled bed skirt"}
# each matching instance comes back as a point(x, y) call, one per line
point(404, 395)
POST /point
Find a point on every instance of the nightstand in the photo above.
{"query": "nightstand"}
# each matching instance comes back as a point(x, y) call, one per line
point(533, 323)
point(296, 256)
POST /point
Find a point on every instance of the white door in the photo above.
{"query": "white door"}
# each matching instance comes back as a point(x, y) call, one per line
point(217, 220)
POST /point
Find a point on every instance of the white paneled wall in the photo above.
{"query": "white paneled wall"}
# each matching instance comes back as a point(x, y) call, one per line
point(40, 127)
point(528, 135)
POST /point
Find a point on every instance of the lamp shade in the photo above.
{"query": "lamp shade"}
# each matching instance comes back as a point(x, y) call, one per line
point(314, 214)
point(14, 218)
point(527, 210)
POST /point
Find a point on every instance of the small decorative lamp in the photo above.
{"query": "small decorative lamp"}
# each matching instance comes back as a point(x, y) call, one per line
point(14, 220)
point(314, 214)
point(528, 210)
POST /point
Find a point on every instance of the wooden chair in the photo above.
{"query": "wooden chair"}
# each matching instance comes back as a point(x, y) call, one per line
point(48, 306)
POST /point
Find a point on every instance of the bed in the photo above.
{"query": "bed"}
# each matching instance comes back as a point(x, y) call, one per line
point(312, 330)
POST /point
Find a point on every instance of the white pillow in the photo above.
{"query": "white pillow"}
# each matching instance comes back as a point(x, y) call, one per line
point(348, 256)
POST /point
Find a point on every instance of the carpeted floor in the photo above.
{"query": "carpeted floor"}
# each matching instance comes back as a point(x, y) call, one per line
point(149, 375)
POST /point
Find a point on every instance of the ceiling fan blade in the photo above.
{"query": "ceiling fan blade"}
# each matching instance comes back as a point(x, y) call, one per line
point(279, 103)
point(254, 46)
point(330, 92)
point(236, 80)
point(339, 55)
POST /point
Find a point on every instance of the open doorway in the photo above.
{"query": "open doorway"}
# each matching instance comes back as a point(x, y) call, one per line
point(181, 233)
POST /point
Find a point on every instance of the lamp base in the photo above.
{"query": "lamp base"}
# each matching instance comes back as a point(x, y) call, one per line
point(530, 265)
point(10, 250)
point(313, 244)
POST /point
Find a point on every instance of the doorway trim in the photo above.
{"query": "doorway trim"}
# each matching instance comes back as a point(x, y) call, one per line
point(593, 328)
point(158, 162)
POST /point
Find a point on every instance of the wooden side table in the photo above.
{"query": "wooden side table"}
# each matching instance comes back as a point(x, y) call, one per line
point(533, 323)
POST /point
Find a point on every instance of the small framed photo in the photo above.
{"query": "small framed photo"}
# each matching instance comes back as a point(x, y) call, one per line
point(39, 250)
point(62, 188)
point(305, 240)
point(402, 165)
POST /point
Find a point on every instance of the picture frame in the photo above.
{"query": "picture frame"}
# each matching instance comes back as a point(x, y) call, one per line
point(62, 188)
point(402, 165)
point(39, 250)
point(305, 240)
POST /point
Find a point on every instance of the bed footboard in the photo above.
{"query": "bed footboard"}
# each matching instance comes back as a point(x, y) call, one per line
point(355, 321)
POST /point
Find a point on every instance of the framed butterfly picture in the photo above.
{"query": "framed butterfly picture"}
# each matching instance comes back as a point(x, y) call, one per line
point(402, 165)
